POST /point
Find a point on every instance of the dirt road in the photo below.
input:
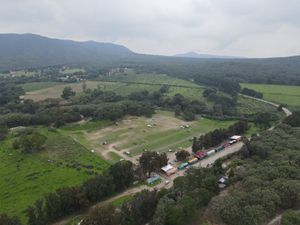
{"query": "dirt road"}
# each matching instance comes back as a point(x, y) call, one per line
point(285, 110)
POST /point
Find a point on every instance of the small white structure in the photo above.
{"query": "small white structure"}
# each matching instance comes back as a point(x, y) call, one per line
point(223, 182)
point(235, 137)
point(169, 169)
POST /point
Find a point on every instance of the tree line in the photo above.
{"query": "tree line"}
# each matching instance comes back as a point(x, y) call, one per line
point(177, 206)
point(217, 136)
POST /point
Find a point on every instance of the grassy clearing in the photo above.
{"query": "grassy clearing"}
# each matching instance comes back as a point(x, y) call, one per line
point(87, 126)
point(34, 86)
point(247, 106)
point(134, 134)
point(281, 94)
point(56, 91)
point(71, 70)
point(114, 157)
point(150, 78)
point(26, 177)
point(174, 138)
point(118, 202)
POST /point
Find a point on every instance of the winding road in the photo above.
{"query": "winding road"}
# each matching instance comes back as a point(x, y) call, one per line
point(285, 110)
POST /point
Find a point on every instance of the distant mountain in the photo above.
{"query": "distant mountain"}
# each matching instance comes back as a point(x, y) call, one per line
point(19, 51)
point(203, 56)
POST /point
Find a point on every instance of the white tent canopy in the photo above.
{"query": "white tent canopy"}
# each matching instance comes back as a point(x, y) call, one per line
point(167, 168)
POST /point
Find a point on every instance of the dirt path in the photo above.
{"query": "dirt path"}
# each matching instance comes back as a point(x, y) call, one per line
point(277, 220)
point(285, 110)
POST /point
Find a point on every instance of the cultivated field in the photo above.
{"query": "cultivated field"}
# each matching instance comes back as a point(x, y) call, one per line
point(26, 177)
point(122, 84)
point(54, 89)
point(281, 94)
point(130, 137)
point(247, 106)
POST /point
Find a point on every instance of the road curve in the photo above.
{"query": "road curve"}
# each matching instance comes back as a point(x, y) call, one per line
point(284, 109)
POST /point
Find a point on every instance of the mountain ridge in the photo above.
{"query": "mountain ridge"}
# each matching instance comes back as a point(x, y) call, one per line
point(204, 56)
point(18, 51)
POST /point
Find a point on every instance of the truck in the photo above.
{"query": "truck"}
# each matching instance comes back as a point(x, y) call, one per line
point(210, 152)
point(182, 166)
point(200, 155)
point(193, 161)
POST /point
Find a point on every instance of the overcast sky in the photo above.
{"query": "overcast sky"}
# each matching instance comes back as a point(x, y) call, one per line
point(252, 28)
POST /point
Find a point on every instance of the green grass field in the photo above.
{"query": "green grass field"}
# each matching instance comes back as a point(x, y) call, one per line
point(71, 70)
point(247, 106)
point(134, 134)
point(34, 86)
point(119, 83)
point(119, 201)
point(281, 94)
point(26, 177)
point(150, 78)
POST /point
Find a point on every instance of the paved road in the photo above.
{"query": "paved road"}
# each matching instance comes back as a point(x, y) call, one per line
point(203, 163)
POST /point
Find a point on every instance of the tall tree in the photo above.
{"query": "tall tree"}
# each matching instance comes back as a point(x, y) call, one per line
point(152, 161)
point(67, 93)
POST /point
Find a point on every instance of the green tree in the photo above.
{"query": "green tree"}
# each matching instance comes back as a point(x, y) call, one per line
point(32, 143)
point(182, 155)
point(152, 161)
point(67, 93)
point(123, 174)
point(102, 215)
point(290, 217)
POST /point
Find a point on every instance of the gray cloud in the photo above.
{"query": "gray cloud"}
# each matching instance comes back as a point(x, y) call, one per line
point(257, 28)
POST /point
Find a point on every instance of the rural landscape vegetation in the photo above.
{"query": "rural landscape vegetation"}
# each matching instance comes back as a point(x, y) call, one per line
point(93, 133)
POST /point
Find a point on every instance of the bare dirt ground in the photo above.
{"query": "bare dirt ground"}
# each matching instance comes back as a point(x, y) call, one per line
point(113, 138)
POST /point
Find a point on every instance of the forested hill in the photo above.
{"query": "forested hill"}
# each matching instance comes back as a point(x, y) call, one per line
point(33, 51)
point(18, 51)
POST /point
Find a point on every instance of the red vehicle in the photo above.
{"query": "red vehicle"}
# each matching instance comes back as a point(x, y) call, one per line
point(200, 154)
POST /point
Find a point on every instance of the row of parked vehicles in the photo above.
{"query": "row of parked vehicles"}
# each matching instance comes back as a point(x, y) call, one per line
point(199, 155)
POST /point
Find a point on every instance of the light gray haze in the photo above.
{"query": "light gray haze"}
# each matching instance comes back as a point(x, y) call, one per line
point(252, 28)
